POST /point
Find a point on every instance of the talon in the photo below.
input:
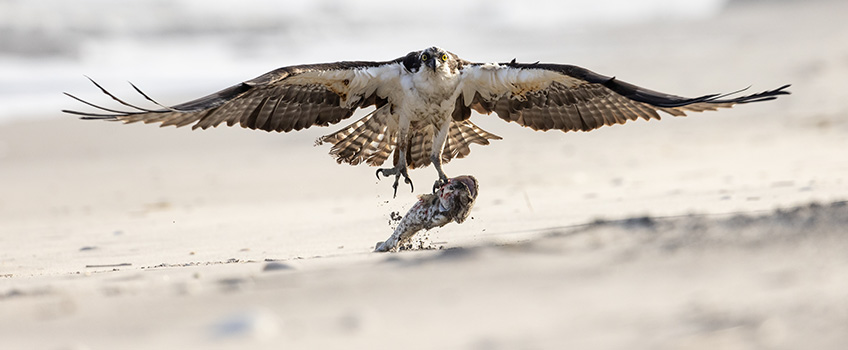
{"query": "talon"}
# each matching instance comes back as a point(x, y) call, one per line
point(439, 183)
point(397, 172)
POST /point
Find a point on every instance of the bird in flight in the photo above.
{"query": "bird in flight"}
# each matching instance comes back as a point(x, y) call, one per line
point(423, 103)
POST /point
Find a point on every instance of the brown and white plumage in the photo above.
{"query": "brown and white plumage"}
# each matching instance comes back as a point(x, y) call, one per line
point(423, 102)
point(570, 98)
point(286, 99)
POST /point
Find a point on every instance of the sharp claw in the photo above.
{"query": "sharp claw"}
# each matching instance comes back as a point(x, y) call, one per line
point(397, 172)
point(439, 183)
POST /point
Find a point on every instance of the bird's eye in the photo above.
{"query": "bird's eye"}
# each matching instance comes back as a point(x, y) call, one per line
point(424, 57)
point(444, 57)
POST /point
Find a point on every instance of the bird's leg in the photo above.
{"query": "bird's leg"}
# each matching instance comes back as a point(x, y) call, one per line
point(436, 154)
point(400, 166)
point(443, 179)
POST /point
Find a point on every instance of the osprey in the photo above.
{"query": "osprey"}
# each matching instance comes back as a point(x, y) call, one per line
point(423, 102)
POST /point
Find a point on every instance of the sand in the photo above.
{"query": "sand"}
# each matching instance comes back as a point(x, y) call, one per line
point(134, 237)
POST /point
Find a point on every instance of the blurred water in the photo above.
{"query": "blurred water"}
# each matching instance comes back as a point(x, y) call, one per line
point(179, 49)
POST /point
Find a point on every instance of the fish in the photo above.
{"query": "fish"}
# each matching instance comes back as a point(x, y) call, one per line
point(451, 202)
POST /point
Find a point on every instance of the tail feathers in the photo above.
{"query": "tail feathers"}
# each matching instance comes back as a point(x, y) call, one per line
point(372, 139)
point(460, 136)
point(368, 140)
point(420, 146)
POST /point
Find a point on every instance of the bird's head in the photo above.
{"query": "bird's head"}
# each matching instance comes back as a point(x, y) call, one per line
point(434, 60)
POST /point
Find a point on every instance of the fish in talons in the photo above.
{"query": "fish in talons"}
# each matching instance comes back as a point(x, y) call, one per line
point(451, 202)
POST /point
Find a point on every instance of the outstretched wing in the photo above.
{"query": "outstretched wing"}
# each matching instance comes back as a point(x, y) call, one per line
point(563, 97)
point(289, 98)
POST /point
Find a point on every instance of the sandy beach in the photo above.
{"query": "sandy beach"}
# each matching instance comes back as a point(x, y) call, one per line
point(721, 230)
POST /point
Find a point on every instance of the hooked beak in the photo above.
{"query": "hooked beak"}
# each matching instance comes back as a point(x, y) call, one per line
point(432, 64)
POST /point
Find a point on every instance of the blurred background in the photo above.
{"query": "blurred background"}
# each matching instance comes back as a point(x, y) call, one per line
point(182, 48)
